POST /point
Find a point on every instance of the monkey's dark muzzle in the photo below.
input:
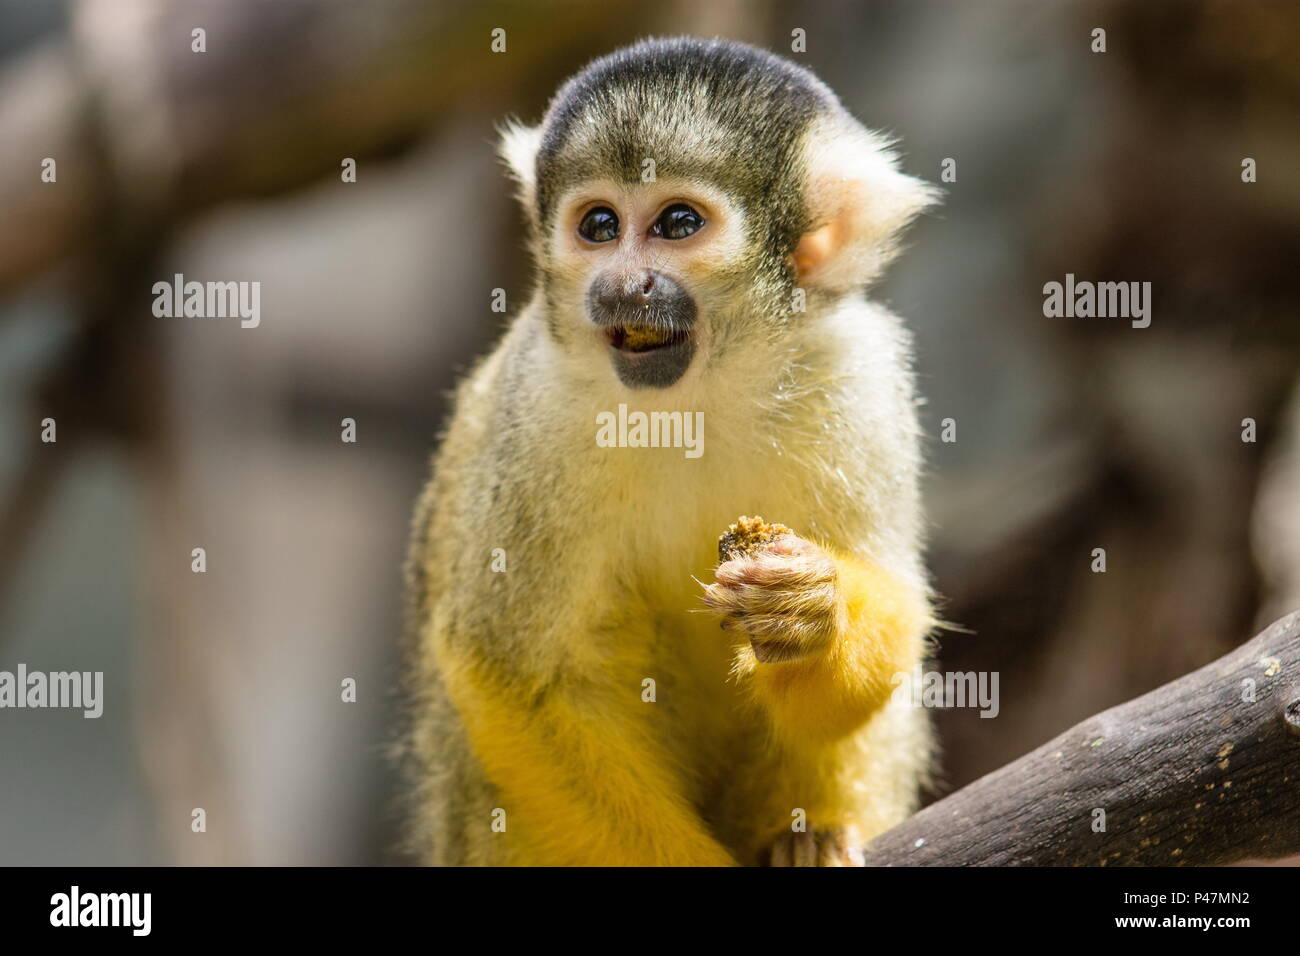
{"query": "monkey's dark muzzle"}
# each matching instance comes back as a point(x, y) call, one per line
point(648, 321)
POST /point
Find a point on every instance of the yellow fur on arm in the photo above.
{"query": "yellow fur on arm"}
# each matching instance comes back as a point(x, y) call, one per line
point(581, 785)
point(880, 630)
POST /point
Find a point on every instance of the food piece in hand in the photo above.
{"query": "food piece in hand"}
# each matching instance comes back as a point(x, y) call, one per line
point(775, 587)
point(747, 536)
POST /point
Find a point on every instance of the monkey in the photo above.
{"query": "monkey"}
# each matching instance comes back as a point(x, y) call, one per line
point(590, 685)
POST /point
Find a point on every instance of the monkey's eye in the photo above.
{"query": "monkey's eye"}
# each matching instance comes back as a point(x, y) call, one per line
point(599, 225)
point(677, 222)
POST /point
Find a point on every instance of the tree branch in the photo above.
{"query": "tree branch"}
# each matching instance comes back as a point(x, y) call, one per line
point(1204, 770)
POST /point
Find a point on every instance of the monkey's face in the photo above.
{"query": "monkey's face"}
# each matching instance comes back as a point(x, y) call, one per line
point(646, 267)
point(768, 203)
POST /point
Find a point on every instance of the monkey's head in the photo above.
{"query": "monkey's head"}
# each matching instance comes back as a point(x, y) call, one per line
point(690, 198)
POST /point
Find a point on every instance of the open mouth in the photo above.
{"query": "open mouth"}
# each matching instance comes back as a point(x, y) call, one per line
point(637, 339)
point(649, 356)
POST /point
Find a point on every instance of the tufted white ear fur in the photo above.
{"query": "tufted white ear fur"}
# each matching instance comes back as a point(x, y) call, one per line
point(517, 148)
point(859, 203)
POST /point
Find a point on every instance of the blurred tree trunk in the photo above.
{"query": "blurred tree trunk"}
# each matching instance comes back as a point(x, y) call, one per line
point(1160, 477)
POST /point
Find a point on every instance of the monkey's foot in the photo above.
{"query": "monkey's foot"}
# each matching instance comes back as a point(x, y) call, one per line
point(839, 846)
point(783, 596)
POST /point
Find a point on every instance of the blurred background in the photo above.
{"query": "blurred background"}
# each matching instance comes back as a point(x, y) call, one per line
point(223, 688)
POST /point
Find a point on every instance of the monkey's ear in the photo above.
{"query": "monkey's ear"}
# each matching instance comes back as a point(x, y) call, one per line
point(859, 202)
point(518, 150)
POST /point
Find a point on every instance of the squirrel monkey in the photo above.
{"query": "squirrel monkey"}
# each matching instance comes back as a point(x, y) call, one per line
point(590, 685)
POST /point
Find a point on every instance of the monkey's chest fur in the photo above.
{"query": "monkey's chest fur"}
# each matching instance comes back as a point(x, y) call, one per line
point(597, 617)
point(608, 615)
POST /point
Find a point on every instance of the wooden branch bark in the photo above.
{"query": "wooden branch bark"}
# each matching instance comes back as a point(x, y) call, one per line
point(1204, 770)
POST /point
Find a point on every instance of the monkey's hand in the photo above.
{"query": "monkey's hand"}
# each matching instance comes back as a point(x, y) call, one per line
point(784, 598)
point(828, 633)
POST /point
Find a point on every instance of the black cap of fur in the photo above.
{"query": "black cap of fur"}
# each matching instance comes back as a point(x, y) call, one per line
point(653, 100)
